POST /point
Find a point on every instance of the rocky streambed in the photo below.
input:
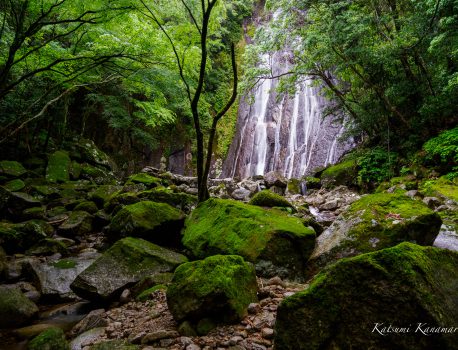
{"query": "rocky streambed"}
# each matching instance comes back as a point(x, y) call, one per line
point(88, 261)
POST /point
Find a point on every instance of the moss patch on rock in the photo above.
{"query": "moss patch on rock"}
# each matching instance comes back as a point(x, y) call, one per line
point(11, 168)
point(267, 198)
point(375, 222)
point(15, 185)
point(344, 173)
point(159, 223)
point(441, 187)
point(124, 264)
point(58, 169)
point(275, 242)
point(145, 179)
point(219, 288)
point(15, 308)
point(402, 286)
point(51, 339)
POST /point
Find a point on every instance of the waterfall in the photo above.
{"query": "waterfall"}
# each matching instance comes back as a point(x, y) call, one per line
point(284, 133)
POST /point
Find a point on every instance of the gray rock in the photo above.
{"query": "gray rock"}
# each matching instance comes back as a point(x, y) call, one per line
point(447, 238)
point(54, 278)
point(274, 178)
point(93, 320)
point(159, 335)
point(78, 223)
point(87, 337)
point(125, 263)
point(241, 194)
point(432, 202)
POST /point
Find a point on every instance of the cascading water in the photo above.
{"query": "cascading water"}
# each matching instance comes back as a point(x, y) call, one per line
point(284, 133)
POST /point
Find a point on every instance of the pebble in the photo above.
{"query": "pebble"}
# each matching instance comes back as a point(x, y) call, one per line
point(267, 333)
point(193, 347)
point(254, 308)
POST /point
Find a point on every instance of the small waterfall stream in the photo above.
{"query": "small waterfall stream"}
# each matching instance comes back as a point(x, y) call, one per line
point(284, 133)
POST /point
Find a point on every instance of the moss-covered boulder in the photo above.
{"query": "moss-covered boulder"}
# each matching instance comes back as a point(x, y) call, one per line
point(267, 198)
point(10, 168)
point(87, 206)
point(78, 223)
point(103, 193)
point(98, 175)
point(18, 237)
point(219, 288)
point(51, 339)
point(375, 222)
point(58, 169)
point(144, 178)
point(86, 150)
point(15, 308)
point(179, 200)
point(404, 297)
point(159, 223)
point(277, 243)
point(19, 201)
point(124, 264)
point(15, 185)
point(344, 173)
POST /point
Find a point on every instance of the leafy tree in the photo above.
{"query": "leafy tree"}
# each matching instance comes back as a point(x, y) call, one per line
point(203, 33)
point(389, 64)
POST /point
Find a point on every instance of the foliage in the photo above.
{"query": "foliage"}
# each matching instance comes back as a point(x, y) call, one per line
point(443, 151)
point(390, 65)
point(376, 165)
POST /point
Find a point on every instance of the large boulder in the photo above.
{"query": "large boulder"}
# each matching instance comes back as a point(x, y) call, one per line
point(18, 237)
point(11, 168)
point(277, 243)
point(54, 278)
point(15, 308)
point(267, 198)
point(372, 223)
point(404, 297)
point(19, 201)
point(58, 169)
point(124, 264)
point(86, 151)
point(179, 200)
point(217, 289)
point(274, 178)
point(78, 223)
point(159, 223)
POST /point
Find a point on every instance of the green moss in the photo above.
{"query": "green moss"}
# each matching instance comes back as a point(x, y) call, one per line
point(179, 200)
point(220, 226)
point(102, 194)
point(50, 339)
point(11, 168)
point(402, 285)
point(156, 221)
point(312, 182)
point(145, 179)
point(75, 170)
point(375, 222)
point(267, 198)
point(146, 294)
point(98, 175)
point(218, 288)
point(344, 173)
point(64, 264)
point(87, 206)
point(58, 169)
point(441, 187)
point(15, 185)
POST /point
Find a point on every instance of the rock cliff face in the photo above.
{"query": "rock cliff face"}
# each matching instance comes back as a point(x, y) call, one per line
point(283, 132)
